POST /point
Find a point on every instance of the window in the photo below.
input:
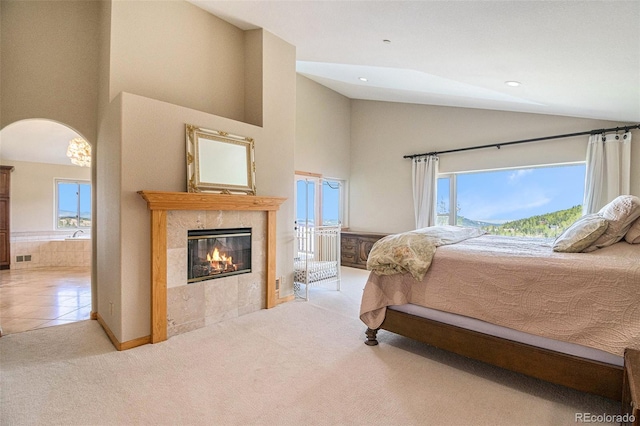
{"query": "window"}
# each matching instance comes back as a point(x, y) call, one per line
point(306, 200)
point(531, 202)
point(331, 202)
point(319, 201)
point(73, 204)
point(444, 198)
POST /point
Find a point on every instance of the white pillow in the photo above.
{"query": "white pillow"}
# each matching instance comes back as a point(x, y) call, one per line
point(584, 232)
point(620, 213)
point(633, 234)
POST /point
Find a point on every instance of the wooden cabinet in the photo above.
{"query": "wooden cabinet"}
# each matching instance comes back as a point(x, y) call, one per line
point(5, 187)
point(355, 247)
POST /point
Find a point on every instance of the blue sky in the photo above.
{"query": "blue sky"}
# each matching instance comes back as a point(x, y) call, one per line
point(68, 201)
point(517, 194)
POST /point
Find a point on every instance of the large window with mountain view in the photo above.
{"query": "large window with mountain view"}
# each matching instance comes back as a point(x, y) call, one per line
point(536, 202)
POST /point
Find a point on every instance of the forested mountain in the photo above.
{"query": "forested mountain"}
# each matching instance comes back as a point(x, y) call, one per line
point(548, 225)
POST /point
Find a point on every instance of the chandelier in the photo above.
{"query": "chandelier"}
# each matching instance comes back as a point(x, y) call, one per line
point(79, 151)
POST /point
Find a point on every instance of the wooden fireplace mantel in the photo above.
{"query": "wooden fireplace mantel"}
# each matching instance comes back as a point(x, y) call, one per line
point(160, 202)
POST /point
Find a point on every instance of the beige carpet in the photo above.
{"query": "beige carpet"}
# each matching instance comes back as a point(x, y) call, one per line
point(302, 363)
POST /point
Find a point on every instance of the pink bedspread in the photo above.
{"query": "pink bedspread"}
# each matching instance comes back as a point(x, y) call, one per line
point(591, 299)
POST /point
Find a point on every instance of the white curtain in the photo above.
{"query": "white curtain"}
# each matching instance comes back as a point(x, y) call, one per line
point(608, 170)
point(425, 178)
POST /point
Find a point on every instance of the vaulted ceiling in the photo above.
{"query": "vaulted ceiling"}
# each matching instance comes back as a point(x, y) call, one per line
point(575, 58)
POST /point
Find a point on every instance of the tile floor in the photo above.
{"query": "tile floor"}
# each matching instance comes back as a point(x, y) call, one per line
point(42, 297)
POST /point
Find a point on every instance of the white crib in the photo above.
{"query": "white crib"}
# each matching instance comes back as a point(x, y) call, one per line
point(317, 257)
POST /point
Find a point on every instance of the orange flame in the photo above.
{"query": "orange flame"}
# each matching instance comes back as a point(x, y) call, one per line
point(217, 257)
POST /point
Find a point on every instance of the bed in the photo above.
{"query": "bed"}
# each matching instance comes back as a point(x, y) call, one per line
point(317, 260)
point(562, 317)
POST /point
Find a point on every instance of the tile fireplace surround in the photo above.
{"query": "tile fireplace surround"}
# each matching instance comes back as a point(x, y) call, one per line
point(178, 307)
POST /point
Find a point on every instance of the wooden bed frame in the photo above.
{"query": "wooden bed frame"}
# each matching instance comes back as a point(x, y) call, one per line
point(555, 367)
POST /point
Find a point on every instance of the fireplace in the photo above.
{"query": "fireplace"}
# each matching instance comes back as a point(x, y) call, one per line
point(216, 253)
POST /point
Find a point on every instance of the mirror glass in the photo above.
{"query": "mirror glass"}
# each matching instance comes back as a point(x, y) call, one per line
point(219, 161)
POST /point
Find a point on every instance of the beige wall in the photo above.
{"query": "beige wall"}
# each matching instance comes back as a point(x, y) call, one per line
point(253, 68)
point(33, 193)
point(152, 157)
point(104, 56)
point(323, 132)
point(383, 132)
point(275, 154)
point(158, 166)
point(176, 52)
point(106, 286)
point(50, 62)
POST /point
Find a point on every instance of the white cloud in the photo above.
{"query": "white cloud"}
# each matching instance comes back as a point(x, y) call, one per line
point(515, 176)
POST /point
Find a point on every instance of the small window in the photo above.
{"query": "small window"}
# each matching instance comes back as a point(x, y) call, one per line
point(331, 202)
point(531, 202)
point(73, 204)
point(320, 201)
point(306, 201)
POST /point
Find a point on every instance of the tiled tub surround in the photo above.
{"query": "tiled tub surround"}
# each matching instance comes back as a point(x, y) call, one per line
point(192, 306)
point(49, 249)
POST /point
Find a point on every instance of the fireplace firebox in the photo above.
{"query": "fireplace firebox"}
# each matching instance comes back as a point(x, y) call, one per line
point(216, 253)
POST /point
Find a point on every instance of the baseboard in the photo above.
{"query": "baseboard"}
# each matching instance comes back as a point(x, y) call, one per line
point(285, 299)
point(118, 345)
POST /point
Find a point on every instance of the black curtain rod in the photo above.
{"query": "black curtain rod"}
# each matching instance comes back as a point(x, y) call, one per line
point(499, 145)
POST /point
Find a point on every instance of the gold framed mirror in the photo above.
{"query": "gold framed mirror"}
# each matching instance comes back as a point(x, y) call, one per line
point(219, 162)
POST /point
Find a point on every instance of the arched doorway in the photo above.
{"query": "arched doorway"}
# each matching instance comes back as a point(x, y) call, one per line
point(50, 277)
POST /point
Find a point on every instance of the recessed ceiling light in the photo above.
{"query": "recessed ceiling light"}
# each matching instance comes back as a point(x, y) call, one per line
point(363, 79)
point(513, 83)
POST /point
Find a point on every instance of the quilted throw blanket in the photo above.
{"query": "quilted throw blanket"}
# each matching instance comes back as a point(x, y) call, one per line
point(413, 251)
